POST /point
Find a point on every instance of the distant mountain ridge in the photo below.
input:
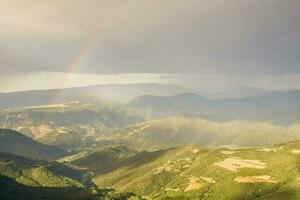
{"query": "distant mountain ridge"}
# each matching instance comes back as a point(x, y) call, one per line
point(115, 93)
point(281, 107)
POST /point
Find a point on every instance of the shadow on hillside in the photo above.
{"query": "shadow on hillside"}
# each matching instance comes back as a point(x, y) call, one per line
point(10, 189)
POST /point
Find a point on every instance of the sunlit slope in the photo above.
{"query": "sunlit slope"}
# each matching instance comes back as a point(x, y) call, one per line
point(195, 173)
point(180, 130)
point(19, 144)
point(70, 124)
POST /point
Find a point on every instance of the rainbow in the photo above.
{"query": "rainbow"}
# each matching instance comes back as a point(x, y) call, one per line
point(82, 54)
point(74, 66)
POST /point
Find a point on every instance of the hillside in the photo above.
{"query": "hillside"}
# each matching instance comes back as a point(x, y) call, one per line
point(16, 143)
point(23, 178)
point(190, 172)
point(10, 189)
point(71, 125)
point(38, 173)
point(181, 130)
point(103, 160)
point(278, 107)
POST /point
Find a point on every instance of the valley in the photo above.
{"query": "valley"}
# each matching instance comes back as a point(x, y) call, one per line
point(78, 150)
point(182, 172)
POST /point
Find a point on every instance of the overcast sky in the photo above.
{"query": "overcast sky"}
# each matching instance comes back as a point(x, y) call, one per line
point(205, 38)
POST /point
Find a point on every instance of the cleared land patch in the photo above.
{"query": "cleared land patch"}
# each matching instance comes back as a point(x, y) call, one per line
point(233, 164)
point(296, 151)
point(207, 179)
point(227, 152)
point(172, 189)
point(195, 150)
point(194, 184)
point(255, 179)
point(268, 150)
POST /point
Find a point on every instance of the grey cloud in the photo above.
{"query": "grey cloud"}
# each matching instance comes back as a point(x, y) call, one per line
point(219, 36)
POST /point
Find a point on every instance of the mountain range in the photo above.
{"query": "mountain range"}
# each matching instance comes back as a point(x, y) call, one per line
point(280, 107)
point(113, 93)
point(175, 146)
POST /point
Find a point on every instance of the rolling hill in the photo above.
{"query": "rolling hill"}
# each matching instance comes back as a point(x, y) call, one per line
point(190, 172)
point(182, 130)
point(16, 143)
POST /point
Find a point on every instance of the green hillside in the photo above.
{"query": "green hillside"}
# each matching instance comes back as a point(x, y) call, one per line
point(19, 144)
point(195, 173)
point(180, 130)
point(23, 178)
point(38, 173)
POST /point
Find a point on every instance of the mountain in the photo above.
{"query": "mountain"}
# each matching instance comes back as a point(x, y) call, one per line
point(19, 144)
point(190, 172)
point(182, 130)
point(279, 107)
point(90, 94)
point(240, 92)
point(71, 125)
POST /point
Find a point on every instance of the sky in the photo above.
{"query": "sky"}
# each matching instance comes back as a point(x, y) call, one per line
point(208, 45)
